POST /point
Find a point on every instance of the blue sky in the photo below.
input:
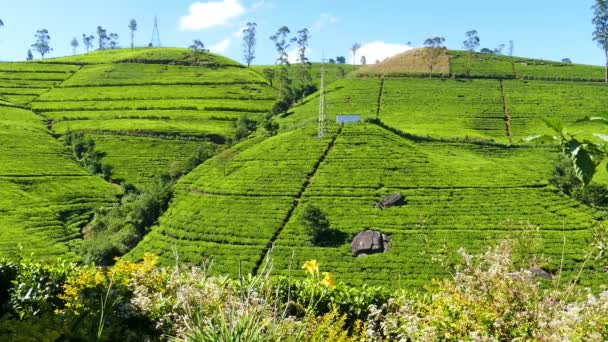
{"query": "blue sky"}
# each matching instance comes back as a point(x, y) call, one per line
point(539, 28)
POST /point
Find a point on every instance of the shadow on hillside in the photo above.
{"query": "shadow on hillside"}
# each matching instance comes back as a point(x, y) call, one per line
point(333, 238)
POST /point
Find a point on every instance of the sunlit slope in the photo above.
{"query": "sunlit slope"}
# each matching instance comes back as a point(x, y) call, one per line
point(20, 83)
point(46, 197)
point(146, 56)
point(148, 97)
point(229, 208)
point(232, 208)
point(500, 66)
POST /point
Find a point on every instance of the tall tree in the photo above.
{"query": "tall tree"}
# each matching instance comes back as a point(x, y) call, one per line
point(102, 36)
point(113, 40)
point(600, 21)
point(363, 60)
point(354, 49)
point(249, 42)
point(133, 28)
point(281, 44)
point(30, 55)
point(88, 41)
point(471, 44)
point(433, 50)
point(74, 43)
point(341, 60)
point(1, 23)
point(499, 49)
point(42, 42)
point(304, 71)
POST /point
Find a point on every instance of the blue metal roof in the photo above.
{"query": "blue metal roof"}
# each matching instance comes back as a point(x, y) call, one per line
point(348, 118)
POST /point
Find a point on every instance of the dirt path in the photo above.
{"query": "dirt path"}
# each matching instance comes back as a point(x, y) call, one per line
point(505, 108)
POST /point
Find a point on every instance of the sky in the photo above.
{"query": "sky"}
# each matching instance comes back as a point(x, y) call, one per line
point(545, 29)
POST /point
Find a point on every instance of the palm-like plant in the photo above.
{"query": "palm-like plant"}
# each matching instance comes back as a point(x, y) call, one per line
point(585, 155)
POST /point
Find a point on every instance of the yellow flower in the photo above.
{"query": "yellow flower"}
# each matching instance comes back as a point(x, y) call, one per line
point(328, 280)
point(312, 267)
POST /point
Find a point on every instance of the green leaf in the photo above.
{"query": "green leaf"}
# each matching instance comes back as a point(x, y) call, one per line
point(539, 139)
point(584, 167)
point(555, 124)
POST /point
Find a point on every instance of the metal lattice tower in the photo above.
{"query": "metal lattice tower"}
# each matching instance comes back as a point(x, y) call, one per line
point(322, 105)
point(155, 42)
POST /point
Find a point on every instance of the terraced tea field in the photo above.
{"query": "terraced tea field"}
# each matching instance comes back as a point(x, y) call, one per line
point(152, 94)
point(452, 147)
point(459, 195)
point(501, 66)
point(46, 196)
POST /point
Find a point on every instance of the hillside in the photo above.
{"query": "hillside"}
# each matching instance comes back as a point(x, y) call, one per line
point(148, 108)
point(451, 146)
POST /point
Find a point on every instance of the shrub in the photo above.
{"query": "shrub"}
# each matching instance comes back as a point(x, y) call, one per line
point(316, 223)
point(116, 229)
point(564, 178)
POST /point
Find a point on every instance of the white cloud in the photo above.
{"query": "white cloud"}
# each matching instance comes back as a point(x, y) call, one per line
point(262, 5)
point(379, 50)
point(221, 47)
point(322, 21)
point(204, 15)
point(293, 55)
point(239, 34)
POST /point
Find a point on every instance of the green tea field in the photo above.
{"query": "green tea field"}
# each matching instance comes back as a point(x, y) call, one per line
point(451, 146)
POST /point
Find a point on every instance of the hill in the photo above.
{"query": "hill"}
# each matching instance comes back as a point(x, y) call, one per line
point(148, 108)
point(452, 146)
point(442, 143)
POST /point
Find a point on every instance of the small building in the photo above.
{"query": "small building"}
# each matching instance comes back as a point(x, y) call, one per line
point(348, 118)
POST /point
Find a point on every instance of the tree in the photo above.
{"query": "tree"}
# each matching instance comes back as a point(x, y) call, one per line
point(249, 42)
point(316, 223)
point(499, 49)
point(433, 50)
point(354, 49)
point(487, 51)
point(30, 55)
point(304, 73)
point(197, 48)
point(74, 44)
point(281, 44)
point(363, 60)
point(88, 41)
point(102, 35)
point(600, 21)
point(42, 42)
point(471, 44)
point(567, 61)
point(341, 60)
point(269, 74)
point(113, 40)
point(340, 72)
point(133, 28)
point(1, 23)
point(332, 61)
point(197, 45)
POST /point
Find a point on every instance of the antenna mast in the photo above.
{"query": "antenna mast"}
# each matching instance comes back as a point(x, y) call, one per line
point(322, 105)
point(155, 34)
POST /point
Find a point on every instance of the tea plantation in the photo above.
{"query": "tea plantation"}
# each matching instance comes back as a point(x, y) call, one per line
point(451, 146)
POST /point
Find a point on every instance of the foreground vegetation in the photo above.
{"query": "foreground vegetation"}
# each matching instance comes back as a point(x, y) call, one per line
point(489, 296)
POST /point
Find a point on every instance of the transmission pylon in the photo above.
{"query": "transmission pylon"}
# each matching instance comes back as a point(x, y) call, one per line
point(155, 42)
point(322, 105)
